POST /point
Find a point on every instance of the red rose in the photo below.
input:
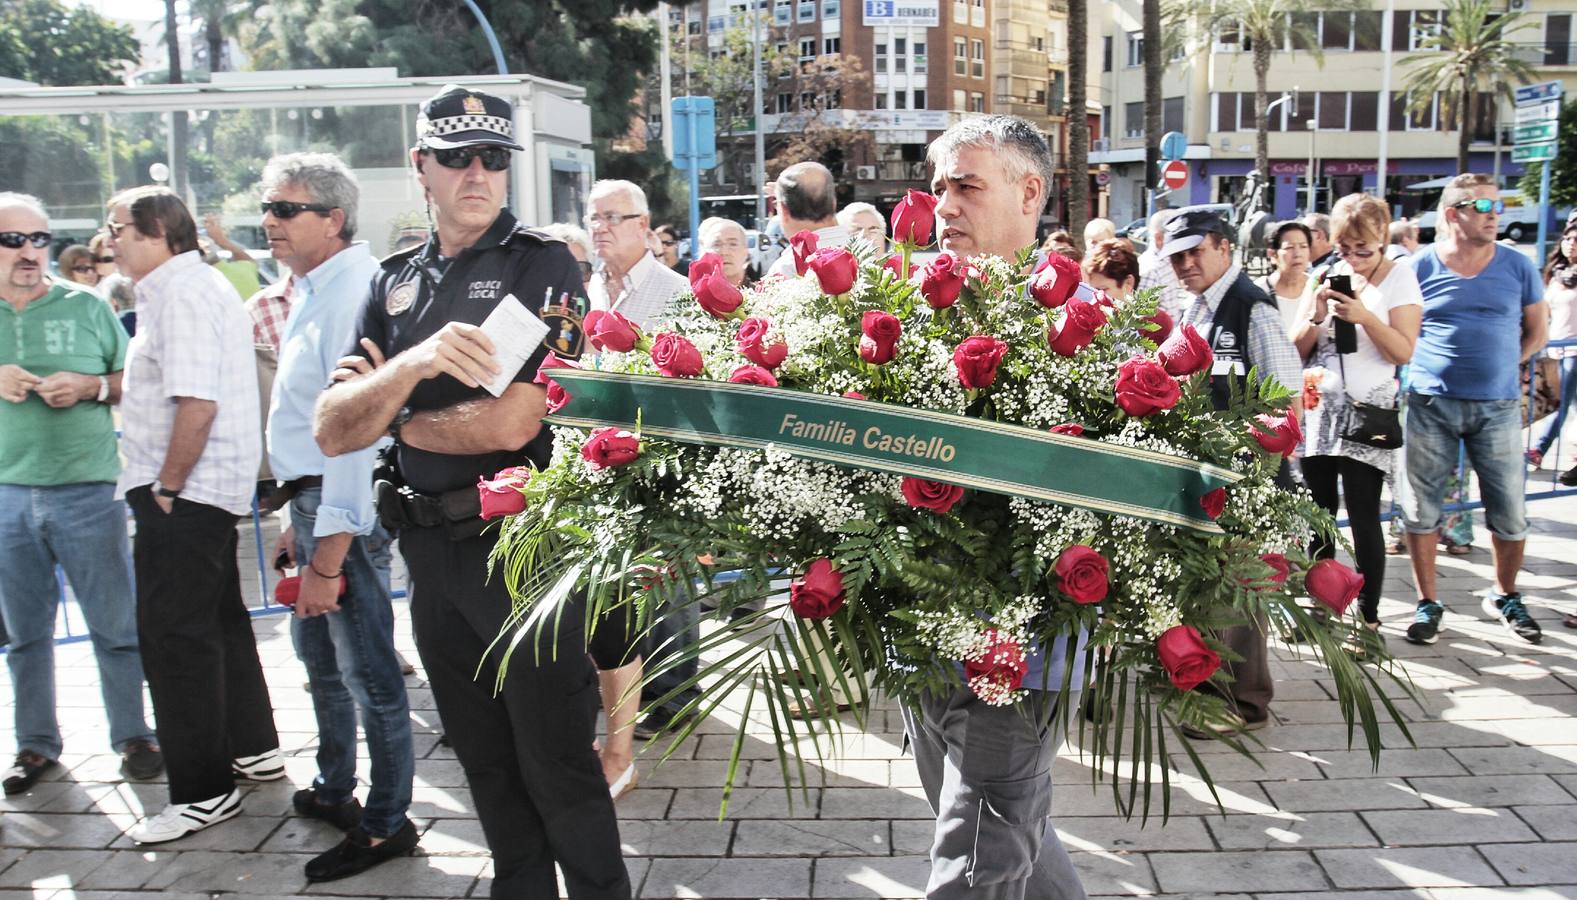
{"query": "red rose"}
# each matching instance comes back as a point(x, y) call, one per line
point(894, 264)
point(676, 357)
point(880, 330)
point(1214, 502)
point(558, 398)
point(551, 361)
point(1333, 584)
point(610, 447)
point(501, 495)
point(818, 593)
point(937, 496)
point(1284, 436)
point(1185, 656)
point(802, 245)
point(718, 296)
point(609, 330)
point(835, 269)
point(707, 264)
point(1081, 574)
point(1184, 353)
point(1143, 387)
point(977, 359)
point(1279, 567)
point(1080, 321)
point(913, 218)
point(942, 280)
point(998, 671)
point(1160, 327)
point(1072, 429)
point(751, 340)
point(1054, 281)
point(752, 375)
point(854, 395)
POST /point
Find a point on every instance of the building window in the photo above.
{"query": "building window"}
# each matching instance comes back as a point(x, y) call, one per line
point(1172, 114)
point(918, 57)
point(900, 54)
point(1225, 114)
point(960, 12)
point(1364, 112)
point(1333, 111)
point(785, 103)
point(959, 100)
point(716, 24)
point(832, 46)
point(782, 12)
point(919, 99)
point(807, 50)
point(881, 59)
point(960, 59)
point(1366, 26)
point(1336, 30)
point(977, 102)
point(1039, 97)
point(881, 100)
point(1106, 123)
point(1135, 48)
point(900, 100)
point(977, 59)
point(1133, 119)
point(1413, 28)
point(1229, 36)
point(831, 9)
point(1558, 39)
point(807, 100)
point(807, 10)
point(1106, 53)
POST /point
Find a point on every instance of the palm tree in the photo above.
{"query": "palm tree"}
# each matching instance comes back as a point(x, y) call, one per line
point(172, 39)
point(1078, 118)
point(1154, 69)
point(1469, 56)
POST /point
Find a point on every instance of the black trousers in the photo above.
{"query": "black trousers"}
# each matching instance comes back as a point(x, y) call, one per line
point(527, 749)
point(1360, 489)
point(198, 651)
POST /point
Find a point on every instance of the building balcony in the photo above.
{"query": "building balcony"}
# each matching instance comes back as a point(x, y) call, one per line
point(1547, 54)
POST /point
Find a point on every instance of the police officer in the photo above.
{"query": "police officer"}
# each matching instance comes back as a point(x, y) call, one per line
point(527, 752)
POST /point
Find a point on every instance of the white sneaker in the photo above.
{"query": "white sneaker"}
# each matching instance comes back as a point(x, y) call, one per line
point(181, 819)
point(266, 766)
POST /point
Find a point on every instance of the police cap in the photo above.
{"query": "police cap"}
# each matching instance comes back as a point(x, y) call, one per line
point(459, 117)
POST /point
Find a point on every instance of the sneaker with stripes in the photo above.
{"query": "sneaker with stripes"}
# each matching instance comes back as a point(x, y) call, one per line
point(181, 819)
point(266, 766)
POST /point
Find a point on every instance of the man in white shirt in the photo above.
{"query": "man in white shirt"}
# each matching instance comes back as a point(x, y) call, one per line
point(192, 444)
point(808, 201)
point(631, 280)
point(1155, 271)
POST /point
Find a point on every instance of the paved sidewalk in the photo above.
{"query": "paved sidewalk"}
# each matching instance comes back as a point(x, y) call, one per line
point(1485, 806)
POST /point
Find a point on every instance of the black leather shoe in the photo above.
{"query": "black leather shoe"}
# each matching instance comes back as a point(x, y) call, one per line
point(357, 854)
point(343, 816)
point(26, 771)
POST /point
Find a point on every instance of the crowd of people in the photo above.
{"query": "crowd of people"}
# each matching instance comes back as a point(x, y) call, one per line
point(366, 399)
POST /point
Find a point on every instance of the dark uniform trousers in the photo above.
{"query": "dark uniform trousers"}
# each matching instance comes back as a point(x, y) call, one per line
point(526, 750)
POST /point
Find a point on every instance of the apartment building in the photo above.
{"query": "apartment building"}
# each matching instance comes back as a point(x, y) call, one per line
point(929, 64)
point(1330, 122)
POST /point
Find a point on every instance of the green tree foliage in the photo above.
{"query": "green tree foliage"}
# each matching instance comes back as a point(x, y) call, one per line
point(52, 43)
point(1563, 178)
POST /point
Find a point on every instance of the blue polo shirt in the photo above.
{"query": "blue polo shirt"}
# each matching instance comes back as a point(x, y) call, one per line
point(1470, 344)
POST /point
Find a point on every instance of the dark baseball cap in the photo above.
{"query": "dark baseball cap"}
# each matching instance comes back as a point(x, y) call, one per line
point(1188, 228)
point(458, 117)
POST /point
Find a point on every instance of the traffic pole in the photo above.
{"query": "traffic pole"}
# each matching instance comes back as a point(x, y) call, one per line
point(695, 186)
point(1544, 211)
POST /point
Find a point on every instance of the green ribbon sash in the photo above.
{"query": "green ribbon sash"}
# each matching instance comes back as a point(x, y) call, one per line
point(973, 453)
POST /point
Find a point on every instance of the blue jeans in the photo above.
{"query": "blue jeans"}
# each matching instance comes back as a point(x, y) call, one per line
point(81, 527)
point(1552, 425)
point(1492, 432)
point(350, 661)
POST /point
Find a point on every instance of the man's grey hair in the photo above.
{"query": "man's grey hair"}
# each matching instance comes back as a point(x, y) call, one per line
point(1097, 230)
point(629, 189)
point(15, 200)
point(1402, 230)
point(714, 227)
point(572, 234)
point(846, 215)
point(1461, 188)
point(325, 178)
point(1319, 222)
point(1158, 220)
point(1019, 144)
point(808, 192)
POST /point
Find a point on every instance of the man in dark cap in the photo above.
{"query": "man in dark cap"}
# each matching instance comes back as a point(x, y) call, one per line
point(526, 749)
point(1245, 331)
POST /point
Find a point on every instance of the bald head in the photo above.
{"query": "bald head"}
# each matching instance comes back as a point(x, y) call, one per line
point(807, 198)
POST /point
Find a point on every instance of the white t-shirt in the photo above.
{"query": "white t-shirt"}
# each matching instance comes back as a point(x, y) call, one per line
point(1287, 306)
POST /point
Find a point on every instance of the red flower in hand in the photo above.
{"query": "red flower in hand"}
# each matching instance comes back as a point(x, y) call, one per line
point(1143, 387)
point(1333, 584)
point(500, 496)
point(1184, 353)
point(1055, 280)
point(707, 264)
point(1187, 659)
point(1080, 321)
point(942, 280)
point(818, 593)
point(718, 296)
point(914, 218)
point(752, 375)
point(835, 268)
point(675, 356)
point(977, 359)
point(610, 330)
point(1214, 502)
point(1082, 574)
point(998, 671)
point(558, 398)
point(880, 331)
point(752, 343)
point(937, 496)
point(608, 447)
point(1284, 434)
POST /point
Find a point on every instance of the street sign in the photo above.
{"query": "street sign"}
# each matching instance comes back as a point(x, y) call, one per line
point(1173, 145)
point(1538, 93)
point(700, 113)
point(1534, 152)
point(1103, 178)
point(1534, 133)
point(921, 13)
point(1548, 111)
point(1174, 174)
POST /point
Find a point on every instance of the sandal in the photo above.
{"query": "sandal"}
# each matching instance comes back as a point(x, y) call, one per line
point(1459, 549)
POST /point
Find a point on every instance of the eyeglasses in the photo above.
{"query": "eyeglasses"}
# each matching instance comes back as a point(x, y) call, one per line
point(83, 269)
point(115, 228)
point(13, 240)
point(494, 159)
point(585, 270)
point(611, 219)
point(1483, 205)
point(289, 209)
point(669, 243)
point(104, 260)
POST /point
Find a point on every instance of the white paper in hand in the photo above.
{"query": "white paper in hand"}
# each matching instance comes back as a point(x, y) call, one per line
point(516, 334)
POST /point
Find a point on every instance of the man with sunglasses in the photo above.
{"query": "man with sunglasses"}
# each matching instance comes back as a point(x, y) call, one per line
point(61, 356)
point(1484, 317)
point(526, 747)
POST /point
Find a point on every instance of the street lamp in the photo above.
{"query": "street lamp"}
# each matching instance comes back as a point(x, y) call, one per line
point(1312, 129)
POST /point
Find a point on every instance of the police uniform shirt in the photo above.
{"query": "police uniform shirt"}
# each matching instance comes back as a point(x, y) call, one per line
point(417, 292)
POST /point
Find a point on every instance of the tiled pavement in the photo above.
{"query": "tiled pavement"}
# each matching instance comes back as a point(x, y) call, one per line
point(1484, 806)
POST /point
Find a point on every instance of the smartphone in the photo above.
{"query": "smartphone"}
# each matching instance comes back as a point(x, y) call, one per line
point(1346, 332)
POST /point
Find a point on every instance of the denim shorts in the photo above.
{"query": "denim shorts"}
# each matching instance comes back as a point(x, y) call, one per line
point(1492, 432)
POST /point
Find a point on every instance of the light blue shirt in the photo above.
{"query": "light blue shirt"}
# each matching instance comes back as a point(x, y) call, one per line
point(321, 325)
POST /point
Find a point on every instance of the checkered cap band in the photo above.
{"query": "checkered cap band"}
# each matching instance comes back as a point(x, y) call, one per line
point(447, 125)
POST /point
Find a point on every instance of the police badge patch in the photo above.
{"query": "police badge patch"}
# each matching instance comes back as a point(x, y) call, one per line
point(566, 337)
point(401, 298)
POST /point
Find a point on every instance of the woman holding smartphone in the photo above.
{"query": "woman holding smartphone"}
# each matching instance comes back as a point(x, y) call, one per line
point(1354, 331)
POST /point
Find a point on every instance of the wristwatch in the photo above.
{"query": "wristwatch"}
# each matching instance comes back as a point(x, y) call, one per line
point(400, 418)
point(104, 389)
point(165, 492)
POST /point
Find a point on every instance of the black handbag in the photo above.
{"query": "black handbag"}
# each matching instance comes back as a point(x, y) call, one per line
point(1373, 426)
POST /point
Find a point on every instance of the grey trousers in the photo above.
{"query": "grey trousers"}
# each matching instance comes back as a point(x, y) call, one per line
point(987, 772)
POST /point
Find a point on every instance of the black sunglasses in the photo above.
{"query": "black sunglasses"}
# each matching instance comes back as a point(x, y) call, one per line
point(13, 240)
point(289, 209)
point(104, 260)
point(494, 159)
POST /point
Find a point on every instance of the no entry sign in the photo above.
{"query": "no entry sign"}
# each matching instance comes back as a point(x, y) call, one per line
point(1174, 174)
